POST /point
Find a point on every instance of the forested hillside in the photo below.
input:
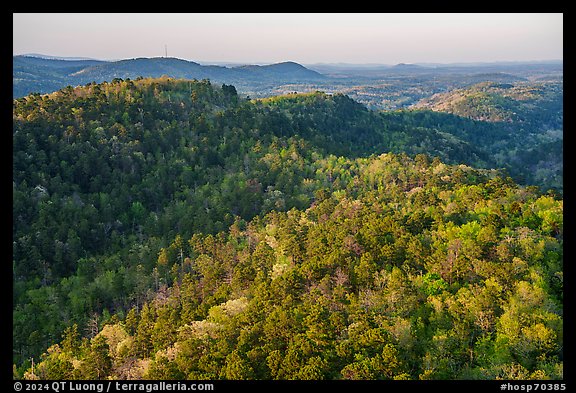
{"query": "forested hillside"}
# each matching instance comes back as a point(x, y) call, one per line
point(504, 102)
point(171, 229)
point(530, 112)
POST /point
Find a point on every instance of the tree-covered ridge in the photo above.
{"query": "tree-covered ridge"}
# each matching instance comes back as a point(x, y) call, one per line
point(527, 118)
point(537, 104)
point(94, 164)
point(412, 270)
point(532, 156)
point(112, 180)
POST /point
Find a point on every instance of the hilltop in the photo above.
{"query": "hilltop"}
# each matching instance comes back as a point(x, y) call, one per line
point(44, 75)
point(535, 103)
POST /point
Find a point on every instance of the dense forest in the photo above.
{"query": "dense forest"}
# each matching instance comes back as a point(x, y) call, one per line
point(498, 102)
point(171, 229)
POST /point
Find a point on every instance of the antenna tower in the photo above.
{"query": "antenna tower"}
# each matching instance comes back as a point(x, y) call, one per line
point(165, 50)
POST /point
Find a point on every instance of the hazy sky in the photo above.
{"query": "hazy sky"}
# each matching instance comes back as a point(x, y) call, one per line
point(303, 38)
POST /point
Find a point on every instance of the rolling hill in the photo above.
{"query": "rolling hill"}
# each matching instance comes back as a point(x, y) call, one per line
point(534, 103)
point(44, 75)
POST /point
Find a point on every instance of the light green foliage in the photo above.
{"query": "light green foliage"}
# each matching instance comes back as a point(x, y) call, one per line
point(271, 239)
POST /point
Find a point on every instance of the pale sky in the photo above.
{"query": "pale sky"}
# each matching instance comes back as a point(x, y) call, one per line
point(306, 38)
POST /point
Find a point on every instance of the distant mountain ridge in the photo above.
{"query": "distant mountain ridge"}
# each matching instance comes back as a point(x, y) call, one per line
point(45, 74)
point(50, 57)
